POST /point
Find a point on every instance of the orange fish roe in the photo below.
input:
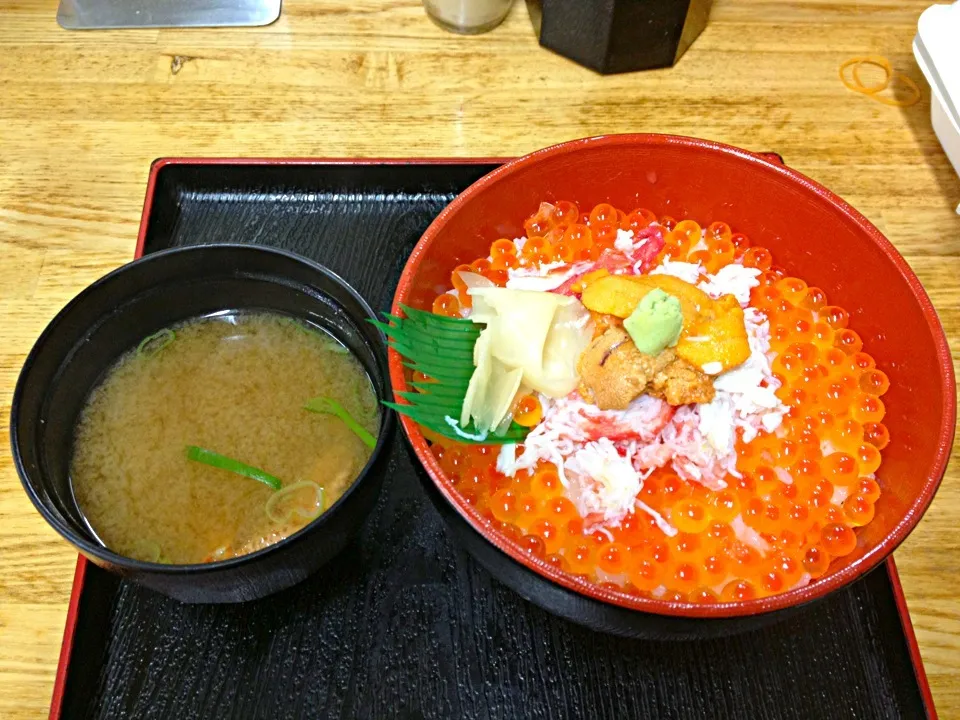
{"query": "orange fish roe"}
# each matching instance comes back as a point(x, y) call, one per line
point(804, 488)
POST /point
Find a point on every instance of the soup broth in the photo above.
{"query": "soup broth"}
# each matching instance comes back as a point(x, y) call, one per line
point(235, 385)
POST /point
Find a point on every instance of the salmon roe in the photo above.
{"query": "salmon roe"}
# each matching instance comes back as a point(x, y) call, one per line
point(803, 489)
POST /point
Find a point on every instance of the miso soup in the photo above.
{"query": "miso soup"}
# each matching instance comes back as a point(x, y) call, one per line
point(180, 450)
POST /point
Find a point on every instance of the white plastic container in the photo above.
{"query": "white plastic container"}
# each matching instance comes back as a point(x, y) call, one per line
point(937, 50)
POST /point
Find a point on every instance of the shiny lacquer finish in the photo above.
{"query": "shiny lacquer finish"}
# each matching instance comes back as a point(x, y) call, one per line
point(810, 231)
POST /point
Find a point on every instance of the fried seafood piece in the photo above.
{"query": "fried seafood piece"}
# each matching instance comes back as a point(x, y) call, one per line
point(613, 372)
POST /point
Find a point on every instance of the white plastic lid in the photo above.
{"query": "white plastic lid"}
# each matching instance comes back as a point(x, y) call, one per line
point(937, 49)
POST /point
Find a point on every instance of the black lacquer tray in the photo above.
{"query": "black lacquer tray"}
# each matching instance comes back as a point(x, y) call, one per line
point(404, 624)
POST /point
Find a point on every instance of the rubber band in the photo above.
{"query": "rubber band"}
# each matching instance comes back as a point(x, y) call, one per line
point(873, 91)
point(877, 61)
point(857, 85)
point(894, 102)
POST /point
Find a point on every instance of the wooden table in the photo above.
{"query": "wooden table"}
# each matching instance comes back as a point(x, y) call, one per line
point(83, 114)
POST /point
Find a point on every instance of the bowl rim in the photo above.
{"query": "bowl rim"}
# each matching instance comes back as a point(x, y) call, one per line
point(100, 552)
point(797, 596)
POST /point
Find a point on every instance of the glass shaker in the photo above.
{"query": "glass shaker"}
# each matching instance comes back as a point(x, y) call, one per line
point(467, 17)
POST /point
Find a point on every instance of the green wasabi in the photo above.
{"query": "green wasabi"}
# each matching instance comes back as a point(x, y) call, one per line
point(656, 322)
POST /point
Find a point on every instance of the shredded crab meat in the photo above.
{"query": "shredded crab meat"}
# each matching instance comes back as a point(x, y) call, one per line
point(631, 257)
point(602, 483)
point(733, 279)
point(545, 277)
point(688, 272)
point(748, 536)
point(603, 456)
point(570, 423)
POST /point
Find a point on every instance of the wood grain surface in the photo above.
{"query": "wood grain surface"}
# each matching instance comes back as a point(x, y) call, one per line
point(82, 115)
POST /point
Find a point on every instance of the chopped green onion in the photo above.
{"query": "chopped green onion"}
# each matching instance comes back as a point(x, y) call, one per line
point(335, 346)
point(332, 407)
point(278, 496)
point(214, 459)
point(152, 344)
point(147, 550)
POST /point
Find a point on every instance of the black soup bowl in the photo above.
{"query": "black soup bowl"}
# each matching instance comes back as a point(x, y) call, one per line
point(112, 316)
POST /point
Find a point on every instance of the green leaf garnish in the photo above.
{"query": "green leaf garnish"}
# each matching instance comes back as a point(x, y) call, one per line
point(222, 462)
point(442, 349)
point(331, 407)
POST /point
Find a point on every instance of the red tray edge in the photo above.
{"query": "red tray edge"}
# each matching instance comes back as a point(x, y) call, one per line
point(912, 647)
point(79, 577)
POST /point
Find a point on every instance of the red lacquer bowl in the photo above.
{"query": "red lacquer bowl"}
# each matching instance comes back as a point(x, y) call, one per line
point(812, 233)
